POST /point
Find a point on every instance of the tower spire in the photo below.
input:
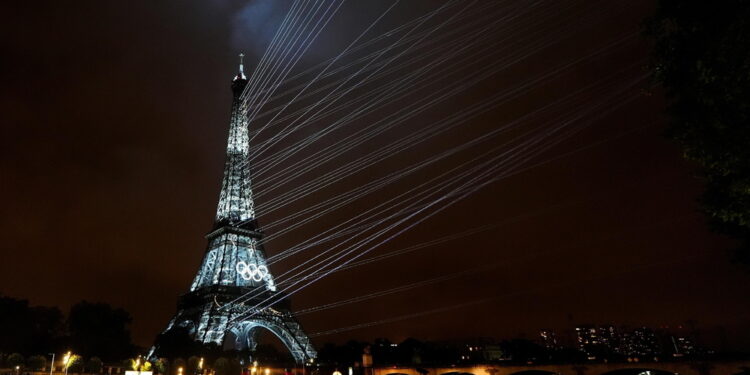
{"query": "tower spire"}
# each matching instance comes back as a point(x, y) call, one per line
point(235, 199)
point(242, 68)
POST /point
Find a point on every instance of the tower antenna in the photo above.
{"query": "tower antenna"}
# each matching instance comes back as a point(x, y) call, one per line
point(242, 68)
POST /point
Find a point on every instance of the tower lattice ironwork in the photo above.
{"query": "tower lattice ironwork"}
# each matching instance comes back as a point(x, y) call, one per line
point(234, 264)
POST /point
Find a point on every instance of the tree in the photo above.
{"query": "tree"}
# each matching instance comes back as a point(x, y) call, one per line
point(342, 355)
point(267, 353)
point(192, 364)
point(13, 360)
point(47, 330)
point(221, 366)
point(36, 362)
point(235, 366)
point(522, 350)
point(701, 56)
point(94, 365)
point(99, 329)
point(409, 351)
point(160, 366)
point(139, 364)
point(28, 330)
point(176, 342)
point(75, 364)
point(177, 363)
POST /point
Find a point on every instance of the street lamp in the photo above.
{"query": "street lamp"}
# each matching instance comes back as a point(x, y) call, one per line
point(179, 370)
point(17, 368)
point(66, 361)
point(52, 364)
point(138, 364)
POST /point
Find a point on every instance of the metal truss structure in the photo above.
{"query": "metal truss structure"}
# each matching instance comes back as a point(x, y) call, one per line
point(235, 263)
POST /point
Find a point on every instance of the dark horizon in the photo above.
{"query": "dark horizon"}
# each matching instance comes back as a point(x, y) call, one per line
point(113, 146)
point(716, 338)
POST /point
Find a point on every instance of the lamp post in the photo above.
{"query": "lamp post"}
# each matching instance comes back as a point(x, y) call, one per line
point(138, 365)
point(52, 364)
point(66, 363)
point(17, 368)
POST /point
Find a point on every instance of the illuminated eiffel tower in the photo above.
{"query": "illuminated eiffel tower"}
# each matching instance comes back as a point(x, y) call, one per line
point(235, 263)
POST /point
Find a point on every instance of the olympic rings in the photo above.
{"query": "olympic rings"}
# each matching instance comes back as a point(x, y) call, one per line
point(252, 271)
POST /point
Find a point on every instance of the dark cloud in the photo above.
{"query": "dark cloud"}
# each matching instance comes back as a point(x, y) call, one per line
point(255, 24)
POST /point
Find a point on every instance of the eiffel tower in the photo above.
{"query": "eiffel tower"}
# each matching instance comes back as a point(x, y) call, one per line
point(235, 263)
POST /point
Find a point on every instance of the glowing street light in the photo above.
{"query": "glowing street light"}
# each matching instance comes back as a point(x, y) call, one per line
point(179, 370)
point(17, 368)
point(66, 361)
point(52, 364)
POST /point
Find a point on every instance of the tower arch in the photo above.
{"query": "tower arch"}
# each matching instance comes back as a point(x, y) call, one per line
point(245, 335)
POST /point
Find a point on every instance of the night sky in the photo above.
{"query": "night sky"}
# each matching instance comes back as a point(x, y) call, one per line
point(114, 121)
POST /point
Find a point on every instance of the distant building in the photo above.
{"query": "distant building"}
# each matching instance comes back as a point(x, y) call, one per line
point(549, 339)
point(682, 346)
point(608, 337)
point(493, 353)
point(598, 341)
point(588, 340)
point(605, 341)
point(481, 350)
point(472, 353)
point(640, 342)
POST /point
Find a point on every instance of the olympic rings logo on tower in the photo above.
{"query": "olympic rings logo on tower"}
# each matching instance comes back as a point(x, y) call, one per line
point(251, 271)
